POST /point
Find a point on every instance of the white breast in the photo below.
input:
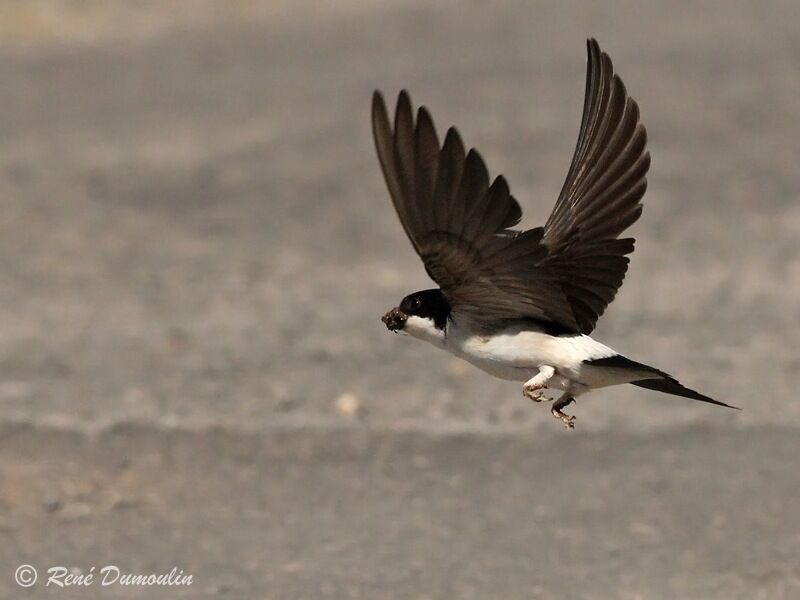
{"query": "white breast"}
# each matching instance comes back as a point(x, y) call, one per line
point(515, 353)
point(518, 352)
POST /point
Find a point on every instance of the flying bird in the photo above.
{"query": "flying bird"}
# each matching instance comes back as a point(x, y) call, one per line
point(520, 305)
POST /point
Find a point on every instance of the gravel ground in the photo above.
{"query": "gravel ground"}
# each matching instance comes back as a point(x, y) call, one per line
point(196, 247)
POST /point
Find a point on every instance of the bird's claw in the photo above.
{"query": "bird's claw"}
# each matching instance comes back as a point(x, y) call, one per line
point(535, 394)
point(567, 420)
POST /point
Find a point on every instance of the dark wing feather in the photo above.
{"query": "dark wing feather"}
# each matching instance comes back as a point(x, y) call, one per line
point(601, 195)
point(459, 222)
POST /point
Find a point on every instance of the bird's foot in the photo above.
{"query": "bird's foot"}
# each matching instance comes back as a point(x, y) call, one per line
point(567, 420)
point(535, 393)
point(533, 387)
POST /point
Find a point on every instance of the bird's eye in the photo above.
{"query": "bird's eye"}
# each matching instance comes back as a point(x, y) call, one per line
point(416, 303)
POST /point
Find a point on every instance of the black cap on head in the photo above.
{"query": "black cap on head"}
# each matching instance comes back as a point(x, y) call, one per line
point(429, 304)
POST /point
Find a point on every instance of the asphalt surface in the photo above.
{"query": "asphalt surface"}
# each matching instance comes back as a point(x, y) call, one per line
point(196, 247)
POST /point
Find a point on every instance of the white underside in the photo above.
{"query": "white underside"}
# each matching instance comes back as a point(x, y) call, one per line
point(519, 352)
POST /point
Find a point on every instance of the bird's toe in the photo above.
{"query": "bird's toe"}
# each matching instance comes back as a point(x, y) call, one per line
point(533, 393)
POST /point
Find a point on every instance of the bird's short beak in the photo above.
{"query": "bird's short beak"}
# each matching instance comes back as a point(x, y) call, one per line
point(395, 319)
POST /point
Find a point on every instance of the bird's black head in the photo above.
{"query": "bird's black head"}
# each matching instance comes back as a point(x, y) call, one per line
point(428, 304)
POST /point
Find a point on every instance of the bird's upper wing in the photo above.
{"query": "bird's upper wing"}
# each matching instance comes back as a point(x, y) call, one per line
point(601, 195)
point(566, 272)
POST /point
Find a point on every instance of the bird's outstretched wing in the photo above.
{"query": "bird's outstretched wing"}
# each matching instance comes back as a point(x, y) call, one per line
point(566, 272)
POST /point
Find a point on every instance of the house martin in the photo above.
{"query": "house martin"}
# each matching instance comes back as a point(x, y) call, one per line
point(520, 305)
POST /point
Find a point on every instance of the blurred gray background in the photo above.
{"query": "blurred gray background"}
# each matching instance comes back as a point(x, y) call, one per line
point(196, 246)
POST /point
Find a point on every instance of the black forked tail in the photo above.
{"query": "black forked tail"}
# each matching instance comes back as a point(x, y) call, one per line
point(660, 382)
point(671, 386)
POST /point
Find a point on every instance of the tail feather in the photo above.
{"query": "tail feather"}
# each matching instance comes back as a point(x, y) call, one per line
point(659, 381)
point(672, 386)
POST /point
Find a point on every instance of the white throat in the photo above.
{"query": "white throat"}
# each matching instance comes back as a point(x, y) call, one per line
point(424, 329)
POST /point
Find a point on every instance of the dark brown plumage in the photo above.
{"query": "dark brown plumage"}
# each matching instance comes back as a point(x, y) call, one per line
point(566, 272)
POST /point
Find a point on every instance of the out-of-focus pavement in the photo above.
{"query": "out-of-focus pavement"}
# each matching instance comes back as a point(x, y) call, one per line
point(196, 247)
